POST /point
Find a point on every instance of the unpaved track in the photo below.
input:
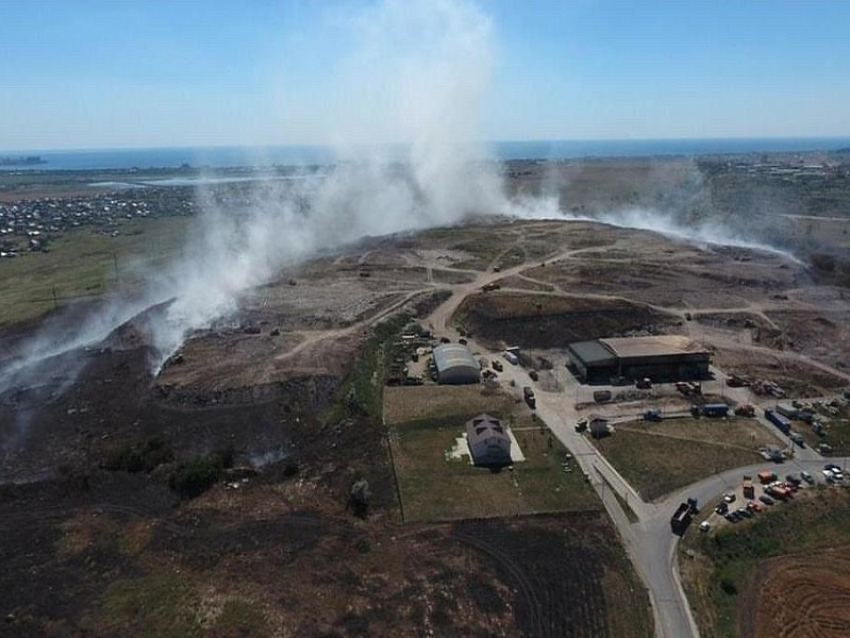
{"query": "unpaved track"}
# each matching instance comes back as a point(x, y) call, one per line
point(649, 541)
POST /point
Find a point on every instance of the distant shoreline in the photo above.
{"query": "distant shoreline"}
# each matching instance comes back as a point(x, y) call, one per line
point(21, 160)
point(275, 156)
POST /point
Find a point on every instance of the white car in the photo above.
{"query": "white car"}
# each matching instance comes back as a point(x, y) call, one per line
point(829, 476)
point(729, 498)
point(704, 526)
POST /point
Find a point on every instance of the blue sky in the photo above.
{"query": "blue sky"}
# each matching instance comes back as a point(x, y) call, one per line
point(113, 73)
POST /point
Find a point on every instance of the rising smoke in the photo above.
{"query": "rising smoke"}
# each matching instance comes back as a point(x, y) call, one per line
point(417, 75)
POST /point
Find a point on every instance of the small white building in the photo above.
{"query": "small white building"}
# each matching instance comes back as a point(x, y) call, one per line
point(489, 443)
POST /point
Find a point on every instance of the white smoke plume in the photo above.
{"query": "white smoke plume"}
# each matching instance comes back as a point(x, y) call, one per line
point(417, 77)
point(431, 61)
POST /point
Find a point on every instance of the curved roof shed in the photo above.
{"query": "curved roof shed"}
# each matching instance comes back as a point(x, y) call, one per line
point(455, 364)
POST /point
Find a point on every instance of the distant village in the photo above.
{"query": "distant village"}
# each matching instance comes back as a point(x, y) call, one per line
point(30, 225)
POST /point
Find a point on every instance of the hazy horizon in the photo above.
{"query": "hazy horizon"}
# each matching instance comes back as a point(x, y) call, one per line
point(635, 140)
point(302, 74)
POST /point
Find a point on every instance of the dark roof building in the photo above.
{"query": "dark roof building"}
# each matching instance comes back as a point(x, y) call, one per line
point(489, 442)
point(660, 358)
point(598, 426)
point(455, 364)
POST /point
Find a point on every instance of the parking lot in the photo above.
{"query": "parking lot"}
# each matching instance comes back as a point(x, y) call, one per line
point(770, 488)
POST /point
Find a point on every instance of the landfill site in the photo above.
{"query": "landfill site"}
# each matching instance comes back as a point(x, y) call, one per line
point(505, 427)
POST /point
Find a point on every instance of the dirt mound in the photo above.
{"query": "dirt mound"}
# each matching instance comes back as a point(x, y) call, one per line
point(798, 377)
point(800, 596)
point(547, 321)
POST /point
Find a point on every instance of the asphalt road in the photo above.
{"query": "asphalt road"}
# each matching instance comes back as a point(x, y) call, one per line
point(649, 542)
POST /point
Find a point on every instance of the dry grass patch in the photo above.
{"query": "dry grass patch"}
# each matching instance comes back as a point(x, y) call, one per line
point(657, 465)
point(434, 487)
point(742, 433)
point(411, 403)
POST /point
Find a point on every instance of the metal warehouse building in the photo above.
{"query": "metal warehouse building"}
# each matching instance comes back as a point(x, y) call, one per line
point(661, 358)
point(456, 365)
point(489, 443)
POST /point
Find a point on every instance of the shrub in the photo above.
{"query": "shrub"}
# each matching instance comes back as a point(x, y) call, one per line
point(141, 457)
point(193, 478)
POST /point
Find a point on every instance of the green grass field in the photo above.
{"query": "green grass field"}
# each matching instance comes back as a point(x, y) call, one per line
point(718, 568)
point(656, 465)
point(82, 264)
point(434, 488)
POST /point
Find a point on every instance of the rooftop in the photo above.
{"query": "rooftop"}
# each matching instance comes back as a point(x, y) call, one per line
point(626, 347)
point(592, 352)
point(450, 355)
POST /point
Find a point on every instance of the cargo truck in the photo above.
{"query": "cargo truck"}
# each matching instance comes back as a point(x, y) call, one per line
point(782, 424)
point(710, 410)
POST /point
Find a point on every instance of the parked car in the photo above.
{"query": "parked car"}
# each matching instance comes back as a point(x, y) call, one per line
point(764, 498)
point(829, 476)
point(722, 508)
point(729, 497)
point(755, 506)
point(808, 478)
point(704, 526)
point(793, 480)
point(743, 511)
point(733, 517)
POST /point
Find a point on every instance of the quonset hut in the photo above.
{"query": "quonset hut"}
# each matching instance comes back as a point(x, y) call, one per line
point(660, 358)
point(488, 441)
point(456, 365)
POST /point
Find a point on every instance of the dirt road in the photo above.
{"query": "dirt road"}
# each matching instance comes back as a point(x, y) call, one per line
point(648, 541)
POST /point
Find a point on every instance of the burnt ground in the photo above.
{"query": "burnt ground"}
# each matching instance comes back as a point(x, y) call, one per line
point(96, 546)
point(543, 321)
point(106, 552)
point(89, 548)
point(78, 563)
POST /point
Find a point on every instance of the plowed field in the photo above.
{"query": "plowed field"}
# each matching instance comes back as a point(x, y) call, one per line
point(800, 597)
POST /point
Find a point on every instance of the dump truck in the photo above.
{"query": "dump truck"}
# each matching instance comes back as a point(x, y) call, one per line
point(682, 516)
point(779, 492)
point(749, 490)
point(745, 410)
point(652, 414)
point(766, 476)
point(601, 396)
point(734, 381)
